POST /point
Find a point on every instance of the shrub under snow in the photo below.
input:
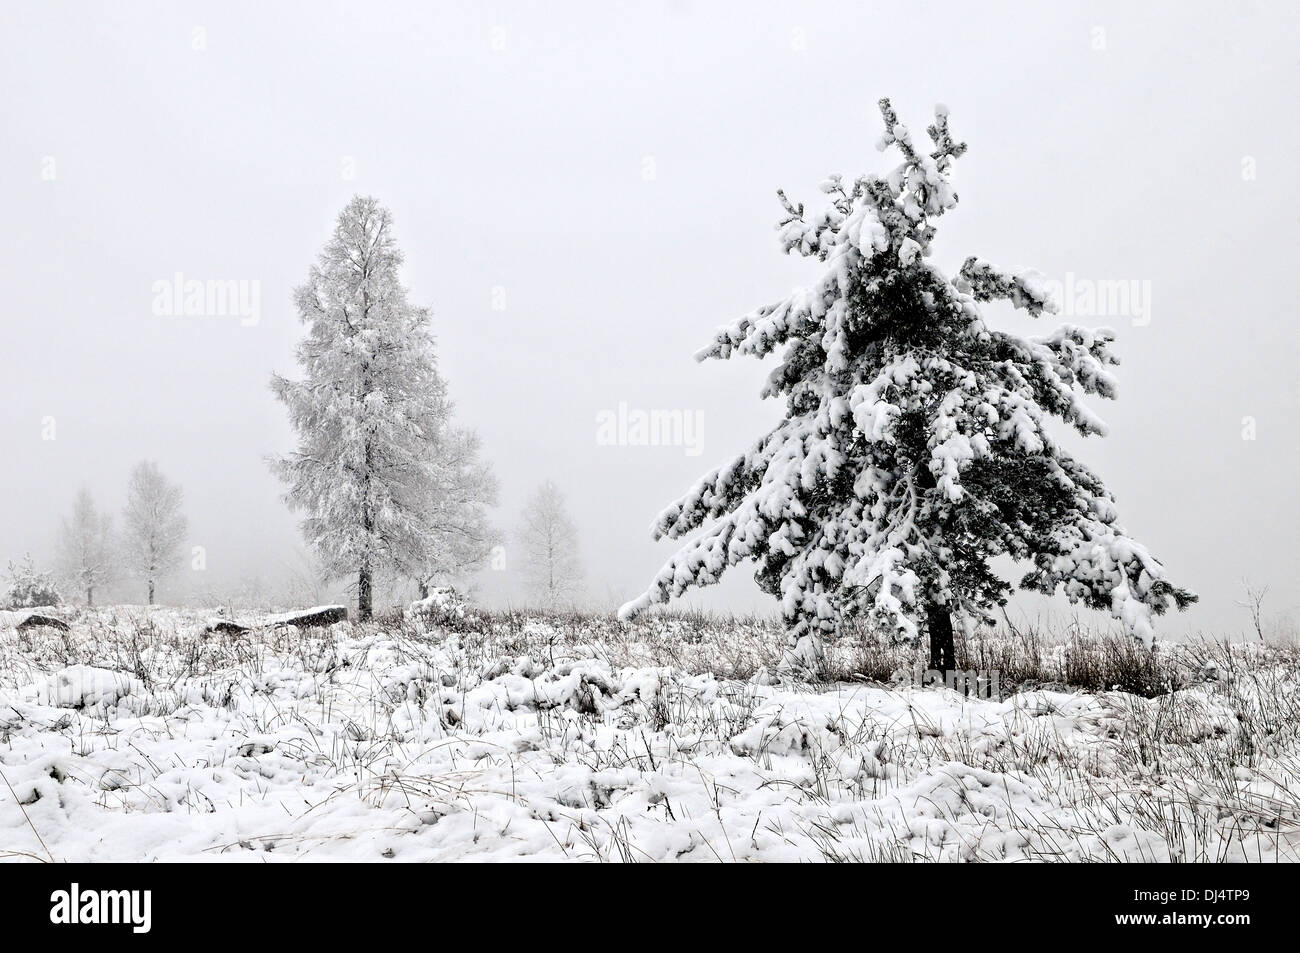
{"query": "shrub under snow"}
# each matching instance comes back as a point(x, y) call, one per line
point(30, 588)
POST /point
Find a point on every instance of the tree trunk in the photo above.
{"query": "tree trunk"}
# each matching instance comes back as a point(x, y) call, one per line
point(367, 517)
point(943, 656)
point(424, 590)
point(90, 595)
point(363, 594)
point(150, 592)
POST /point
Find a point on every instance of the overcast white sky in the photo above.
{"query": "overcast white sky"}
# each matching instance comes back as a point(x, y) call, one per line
point(611, 169)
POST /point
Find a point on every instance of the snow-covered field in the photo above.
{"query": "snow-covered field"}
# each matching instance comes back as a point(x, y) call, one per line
point(137, 736)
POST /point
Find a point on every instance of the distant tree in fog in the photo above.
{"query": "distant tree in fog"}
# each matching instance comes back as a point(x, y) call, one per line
point(550, 544)
point(460, 536)
point(153, 527)
point(87, 552)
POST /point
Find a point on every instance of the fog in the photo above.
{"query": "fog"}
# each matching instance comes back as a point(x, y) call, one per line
point(583, 194)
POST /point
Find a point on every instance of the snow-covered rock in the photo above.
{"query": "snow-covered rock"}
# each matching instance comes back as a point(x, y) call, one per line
point(22, 619)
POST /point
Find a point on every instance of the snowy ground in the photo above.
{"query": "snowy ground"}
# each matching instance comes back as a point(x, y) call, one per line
point(137, 737)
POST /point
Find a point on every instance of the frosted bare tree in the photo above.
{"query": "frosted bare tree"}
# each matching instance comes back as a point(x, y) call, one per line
point(87, 552)
point(550, 544)
point(371, 470)
point(153, 527)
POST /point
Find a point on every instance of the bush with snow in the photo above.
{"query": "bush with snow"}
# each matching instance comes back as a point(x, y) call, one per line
point(443, 606)
point(29, 587)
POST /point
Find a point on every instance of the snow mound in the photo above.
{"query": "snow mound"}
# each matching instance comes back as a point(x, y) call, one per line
point(86, 688)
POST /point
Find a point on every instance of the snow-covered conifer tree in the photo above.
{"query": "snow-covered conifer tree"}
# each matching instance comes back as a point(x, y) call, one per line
point(550, 544)
point(915, 445)
point(153, 527)
point(371, 413)
point(87, 547)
